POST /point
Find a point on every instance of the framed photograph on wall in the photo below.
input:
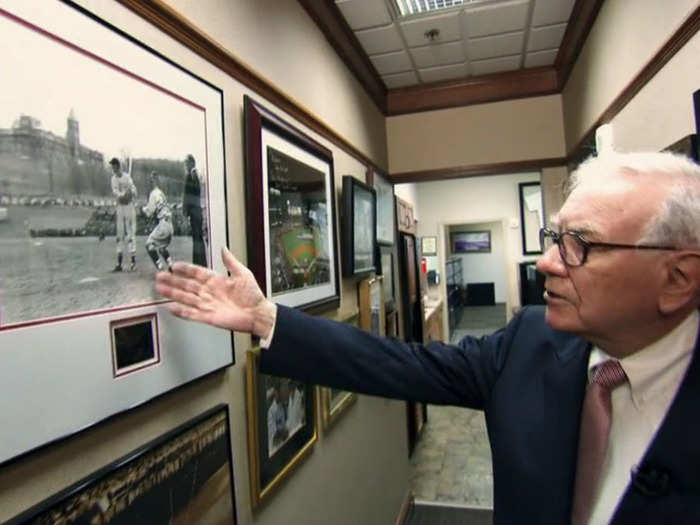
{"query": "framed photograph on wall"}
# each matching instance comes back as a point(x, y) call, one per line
point(428, 245)
point(531, 216)
point(281, 427)
point(371, 299)
point(80, 156)
point(471, 242)
point(335, 402)
point(169, 480)
point(385, 268)
point(290, 209)
point(359, 227)
point(386, 219)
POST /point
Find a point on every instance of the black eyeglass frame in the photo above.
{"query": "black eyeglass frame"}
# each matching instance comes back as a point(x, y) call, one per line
point(587, 245)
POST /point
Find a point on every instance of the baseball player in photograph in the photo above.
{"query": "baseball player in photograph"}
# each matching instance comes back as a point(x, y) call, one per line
point(124, 191)
point(159, 239)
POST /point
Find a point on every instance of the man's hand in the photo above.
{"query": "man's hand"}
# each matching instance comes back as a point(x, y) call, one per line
point(234, 303)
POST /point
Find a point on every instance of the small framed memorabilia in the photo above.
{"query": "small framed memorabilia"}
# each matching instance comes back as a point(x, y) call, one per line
point(335, 402)
point(386, 220)
point(169, 480)
point(428, 245)
point(281, 427)
point(359, 227)
point(81, 158)
point(471, 242)
point(134, 344)
point(290, 212)
point(372, 312)
point(531, 216)
point(385, 267)
point(392, 324)
point(404, 216)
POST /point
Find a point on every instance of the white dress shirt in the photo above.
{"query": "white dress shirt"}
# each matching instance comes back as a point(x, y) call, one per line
point(639, 406)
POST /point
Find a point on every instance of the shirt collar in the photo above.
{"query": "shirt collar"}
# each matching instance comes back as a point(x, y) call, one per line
point(645, 366)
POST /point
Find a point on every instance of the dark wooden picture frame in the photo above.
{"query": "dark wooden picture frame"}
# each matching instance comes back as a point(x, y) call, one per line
point(168, 480)
point(359, 227)
point(531, 217)
point(268, 469)
point(290, 182)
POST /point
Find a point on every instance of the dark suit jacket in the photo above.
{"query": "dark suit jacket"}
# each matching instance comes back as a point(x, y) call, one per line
point(530, 380)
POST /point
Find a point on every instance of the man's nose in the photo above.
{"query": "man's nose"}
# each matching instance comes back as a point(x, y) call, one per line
point(551, 263)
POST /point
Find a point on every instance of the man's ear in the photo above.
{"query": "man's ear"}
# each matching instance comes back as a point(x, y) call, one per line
point(682, 285)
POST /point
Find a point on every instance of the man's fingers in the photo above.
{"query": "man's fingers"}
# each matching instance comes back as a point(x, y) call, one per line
point(233, 265)
point(179, 295)
point(192, 271)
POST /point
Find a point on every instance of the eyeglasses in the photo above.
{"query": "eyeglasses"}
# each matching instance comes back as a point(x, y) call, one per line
point(573, 248)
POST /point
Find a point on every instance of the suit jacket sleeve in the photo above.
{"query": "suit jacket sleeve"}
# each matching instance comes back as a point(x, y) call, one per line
point(325, 352)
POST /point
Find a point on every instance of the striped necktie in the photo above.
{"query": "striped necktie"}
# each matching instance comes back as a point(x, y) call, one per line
point(596, 418)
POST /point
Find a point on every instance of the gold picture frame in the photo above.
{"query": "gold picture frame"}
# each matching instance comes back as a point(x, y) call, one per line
point(372, 307)
point(280, 435)
point(334, 402)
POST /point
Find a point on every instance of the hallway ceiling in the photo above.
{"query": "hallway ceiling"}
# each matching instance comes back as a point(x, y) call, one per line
point(478, 51)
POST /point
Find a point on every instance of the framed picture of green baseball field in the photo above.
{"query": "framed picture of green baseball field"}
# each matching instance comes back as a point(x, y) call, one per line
point(109, 172)
point(290, 205)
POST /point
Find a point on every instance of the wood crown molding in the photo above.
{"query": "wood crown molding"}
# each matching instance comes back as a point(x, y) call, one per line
point(472, 90)
point(686, 30)
point(172, 23)
point(477, 170)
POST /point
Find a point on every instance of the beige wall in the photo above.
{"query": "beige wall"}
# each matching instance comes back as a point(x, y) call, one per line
point(625, 36)
point(357, 473)
point(505, 131)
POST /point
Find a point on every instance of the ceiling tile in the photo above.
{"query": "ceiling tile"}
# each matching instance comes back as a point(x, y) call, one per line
point(438, 55)
point(551, 11)
point(546, 37)
point(496, 18)
point(380, 39)
point(495, 46)
point(541, 58)
point(392, 62)
point(495, 65)
point(397, 80)
point(414, 30)
point(361, 14)
point(436, 74)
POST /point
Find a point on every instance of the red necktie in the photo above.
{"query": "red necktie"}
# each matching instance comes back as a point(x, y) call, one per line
point(596, 417)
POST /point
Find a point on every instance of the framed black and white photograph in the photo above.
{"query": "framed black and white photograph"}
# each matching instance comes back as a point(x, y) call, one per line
point(108, 172)
point(290, 212)
point(531, 216)
point(359, 227)
point(471, 242)
point(385, 268)
point(335, 402)
point(386, 217)
point(282, 427)
point(372, 310)
point(184, 476)
point(428, 245)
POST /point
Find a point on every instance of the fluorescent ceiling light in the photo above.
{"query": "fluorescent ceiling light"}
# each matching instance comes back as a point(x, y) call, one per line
point(414, 7)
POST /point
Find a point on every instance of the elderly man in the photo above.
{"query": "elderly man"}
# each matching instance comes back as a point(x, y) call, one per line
point(591, 402)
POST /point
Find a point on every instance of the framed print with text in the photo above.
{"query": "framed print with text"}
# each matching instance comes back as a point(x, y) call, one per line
point(386, 219)
point(359, 229)
point(282, 427)
point(172, 479)
point(428, 245)
point(335, 402)
point(290, 201)
point(78, 311)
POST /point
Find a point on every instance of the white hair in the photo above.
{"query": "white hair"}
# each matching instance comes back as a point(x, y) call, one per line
point(677, 221)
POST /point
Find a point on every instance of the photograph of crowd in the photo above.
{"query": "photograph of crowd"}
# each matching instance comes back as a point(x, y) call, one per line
point(103, 180)
point(184, 477)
